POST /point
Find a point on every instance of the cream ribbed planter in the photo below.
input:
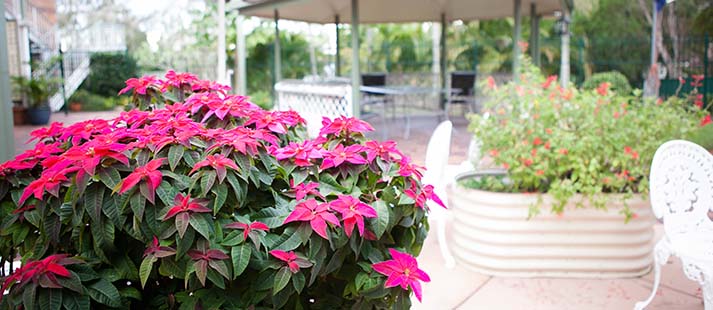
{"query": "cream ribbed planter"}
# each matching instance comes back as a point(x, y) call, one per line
point(492, 235)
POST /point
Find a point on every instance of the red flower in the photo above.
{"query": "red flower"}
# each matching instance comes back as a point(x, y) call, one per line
point(294, 262)
point(540, 172)
point(49, 181)
point(303, 189)
point(182, 209)
point(547, 145)
point(527, 162)
point(494, 153)
point(149, 173)
point(344, 125)
point(44, 272)
point(218, 162)
point(316, 214)
point(139, 85)
point(706, 120)
point(384, 150)
point(697, 78)
point(424, 194)
point(158, 251)
point(208, 257)
point(247, 228)
point(340, 154)
point(179, 79)
point(603, 88)
point(632, 153)
point(210, 86)
point(53, 131)
point(407, 168)
point(699, 101)
point(491, 83)
point(300, 153)
point(536, 141)
point(402, 271)
point(563, 151)
point(549, 81)
point(353, 212)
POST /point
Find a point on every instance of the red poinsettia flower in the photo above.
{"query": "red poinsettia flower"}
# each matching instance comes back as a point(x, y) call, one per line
point(149, 173)
point(303, 189)
point(316, 214)
point(340, 154)
point(248, 228)
point(139, 85)
point(182, 208)
point(301, 153)
point(53, 131)
point(385, 150)
point(697, 78)
point(158, 251)
point(44, 272)
point(49, 182)
point(353, 212)
point(209, 257)
point(420, 197)
point(219, 163)
point(407, 168)
point(491, 83)
point(631, 152)
point(178, 79)
point(344, 125)
point(402, 271)
point(210, 86)
point(294, 262)
point(706, 120)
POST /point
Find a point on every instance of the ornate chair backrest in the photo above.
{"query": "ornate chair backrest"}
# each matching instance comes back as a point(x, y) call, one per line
point(681, 190)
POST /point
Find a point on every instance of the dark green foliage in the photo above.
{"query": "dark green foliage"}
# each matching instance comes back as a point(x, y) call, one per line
point(108, 73)
point(617, 82)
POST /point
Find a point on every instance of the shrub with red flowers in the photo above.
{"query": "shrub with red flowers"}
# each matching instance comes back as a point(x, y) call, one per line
point(201, 200)
point(566, 142)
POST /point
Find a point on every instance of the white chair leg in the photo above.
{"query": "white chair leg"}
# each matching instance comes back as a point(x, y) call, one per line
point(707, 289)
point(445, 253)
point(661, 255)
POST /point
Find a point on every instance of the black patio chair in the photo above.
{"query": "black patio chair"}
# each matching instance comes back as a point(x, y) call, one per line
point(369, 99)
point(462, 91)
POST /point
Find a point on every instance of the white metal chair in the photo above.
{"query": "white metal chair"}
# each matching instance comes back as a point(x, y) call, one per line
point(437, 154)
point(681, 186)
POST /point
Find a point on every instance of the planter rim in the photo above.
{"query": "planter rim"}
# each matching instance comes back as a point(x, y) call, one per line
point(534, 196)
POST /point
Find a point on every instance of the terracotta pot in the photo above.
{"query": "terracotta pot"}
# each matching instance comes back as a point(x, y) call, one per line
point(493, 235)
point(75, 107)
point(19, 115)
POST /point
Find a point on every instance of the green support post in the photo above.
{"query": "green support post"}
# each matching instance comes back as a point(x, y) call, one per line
point(337, 57)
point(7, 138)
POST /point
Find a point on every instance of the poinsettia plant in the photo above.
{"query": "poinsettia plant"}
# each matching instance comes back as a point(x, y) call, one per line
point(566, 142)
point(199, 199)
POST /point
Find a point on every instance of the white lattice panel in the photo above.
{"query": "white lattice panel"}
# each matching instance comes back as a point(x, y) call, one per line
point(314, 100)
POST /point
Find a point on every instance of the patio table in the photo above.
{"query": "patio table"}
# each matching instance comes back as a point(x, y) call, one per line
point(405, 92)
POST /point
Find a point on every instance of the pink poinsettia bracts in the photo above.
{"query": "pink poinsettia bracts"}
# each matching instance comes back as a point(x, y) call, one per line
point(44, 272)
point(294, 262)
point(344, 125)
point(139, 85)
point(421, 197)
point(316, 214)
point(177, 80)
point(340, 154)
point(204, 258)
point(182, 208)
point(385, 150)
point(402, 271)
point(300, 153)
point(158, 251)
point(248, 228)
point(353, 212)
point(219, 163)
point(303, 189)
point(150, 174)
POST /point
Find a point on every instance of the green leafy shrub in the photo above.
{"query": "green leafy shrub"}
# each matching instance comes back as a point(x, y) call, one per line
point(618, 83)
point(93, 102)
point(210, 203)
point(108, 73)
point(564, 142)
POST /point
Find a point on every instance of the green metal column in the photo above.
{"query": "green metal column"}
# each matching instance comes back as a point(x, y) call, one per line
point(278, 50)
point(534, 34)
point(7, 139)
point(444, 59)
point(356, 75)
point(337, 57)
point(517, 33)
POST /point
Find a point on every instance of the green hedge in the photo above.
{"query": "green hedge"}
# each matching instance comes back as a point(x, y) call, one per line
point(618, 81)
point(108, 73)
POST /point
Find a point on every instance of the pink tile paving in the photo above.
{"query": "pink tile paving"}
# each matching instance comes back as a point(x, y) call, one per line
point(460, 288)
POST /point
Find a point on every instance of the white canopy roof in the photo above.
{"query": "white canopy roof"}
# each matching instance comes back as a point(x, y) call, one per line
point(391, 11)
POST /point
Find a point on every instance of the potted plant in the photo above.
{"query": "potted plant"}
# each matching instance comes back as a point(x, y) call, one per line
point(37, 92)
point(210, 203)
point(583, 156)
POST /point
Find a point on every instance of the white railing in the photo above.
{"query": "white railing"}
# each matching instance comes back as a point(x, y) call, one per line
point(76, 69)
point(41, 29)
point(314, 100)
